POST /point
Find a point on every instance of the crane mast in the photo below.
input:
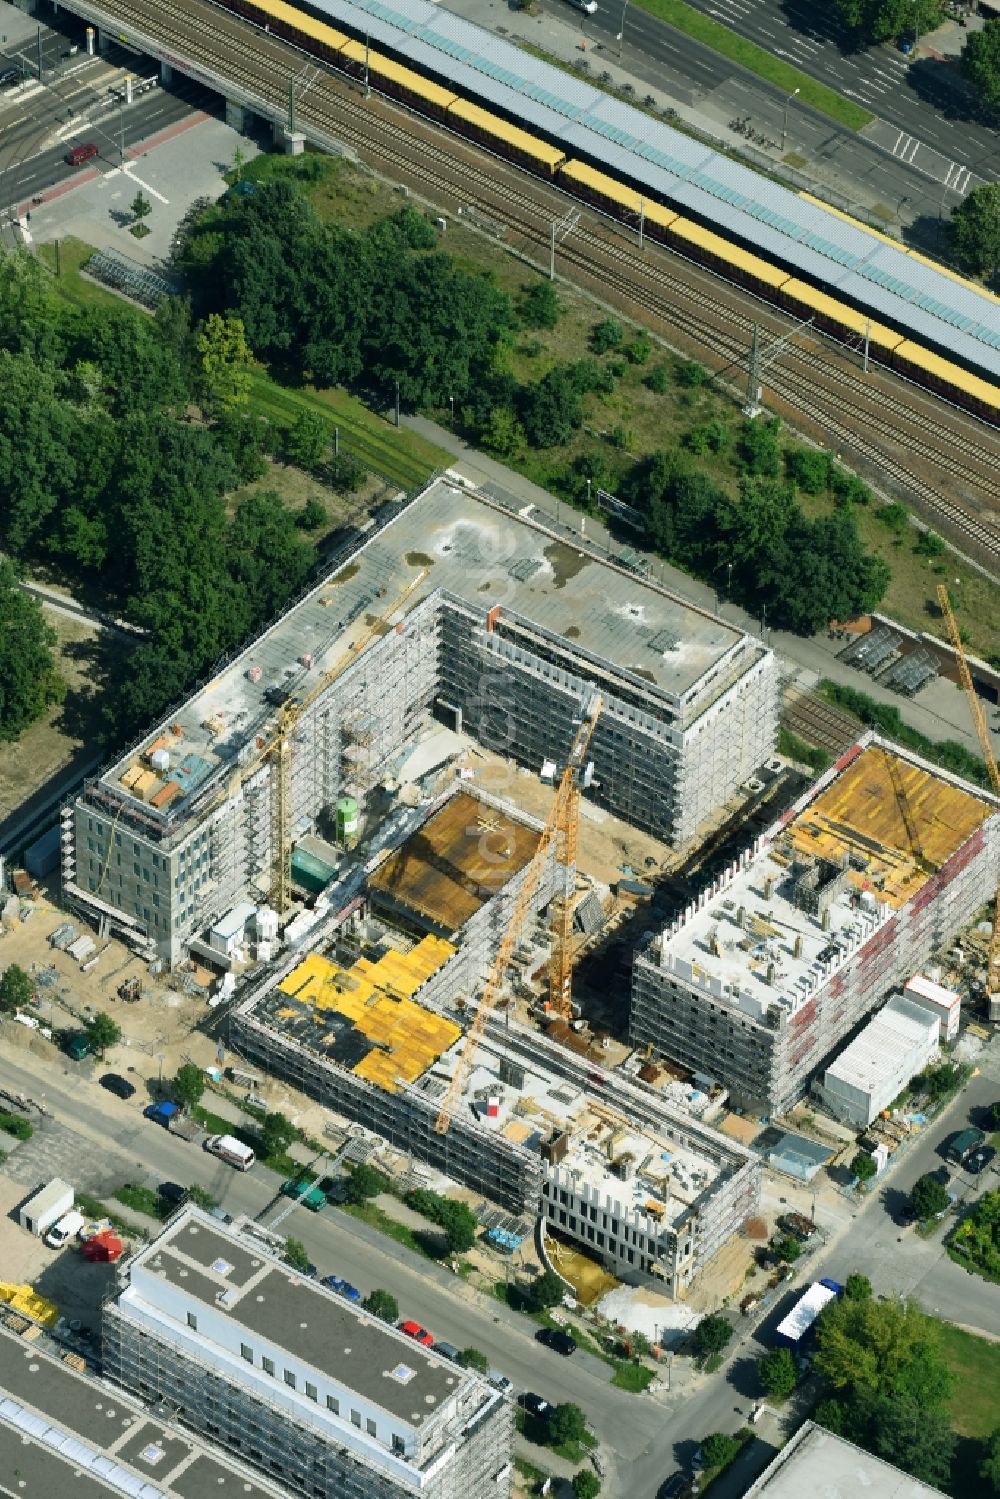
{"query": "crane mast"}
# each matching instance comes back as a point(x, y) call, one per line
point(560, 818)
point(993, 961)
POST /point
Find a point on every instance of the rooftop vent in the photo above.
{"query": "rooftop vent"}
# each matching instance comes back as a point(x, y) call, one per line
point(663, 641)
point(402, 1373)
point(222, 1267)
point(523, 569)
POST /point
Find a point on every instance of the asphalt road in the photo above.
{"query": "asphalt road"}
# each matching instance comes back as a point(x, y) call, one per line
point(922, 97)
point(73, 104)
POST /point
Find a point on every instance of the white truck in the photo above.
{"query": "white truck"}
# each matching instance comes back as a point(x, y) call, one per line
point(46, 1206)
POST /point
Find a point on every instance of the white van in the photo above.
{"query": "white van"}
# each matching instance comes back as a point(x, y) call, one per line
point(67, 1228)
point(231, 1150)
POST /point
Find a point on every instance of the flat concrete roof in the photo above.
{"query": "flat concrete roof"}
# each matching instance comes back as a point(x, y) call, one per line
point(814, 1461)
point(460, 541)
point(754, 945)
point(294, 1313)
point(63, 1432)
point(457, 861)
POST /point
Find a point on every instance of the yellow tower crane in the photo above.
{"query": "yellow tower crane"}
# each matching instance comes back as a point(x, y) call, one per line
point(561, 814)
point(993, 962)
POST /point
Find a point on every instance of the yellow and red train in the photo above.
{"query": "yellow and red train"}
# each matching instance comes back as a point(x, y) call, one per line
point(734, 262)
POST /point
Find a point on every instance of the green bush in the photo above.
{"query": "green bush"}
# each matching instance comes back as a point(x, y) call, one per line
point(364, 1183)
point(540, 306)
point(607, 335)
point(13, 1124)
point(658, 379)
point(887, 719)
point(691, 374)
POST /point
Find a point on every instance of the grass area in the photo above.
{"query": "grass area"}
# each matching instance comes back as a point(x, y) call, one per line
point(430, 1246)
point(215, 1124)
point(399, 456)
point(632, 1377)
point(804, 754)
point(974, 1407)
point(73, 256)
point(143, 1200)
point(748, 55)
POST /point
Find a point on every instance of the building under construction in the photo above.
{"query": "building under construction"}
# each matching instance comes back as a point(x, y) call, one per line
point(327, 1400)
point(759, 982)
point(374, 1025)
point(460, 606)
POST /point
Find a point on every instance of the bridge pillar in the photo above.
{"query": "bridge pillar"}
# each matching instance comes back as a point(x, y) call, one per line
point(295, 142)
point(166, 73)
point(236, 116)
point(102, 41)
point(91, 38)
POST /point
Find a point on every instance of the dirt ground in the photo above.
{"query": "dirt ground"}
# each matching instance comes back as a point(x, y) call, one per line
point(62, 1276)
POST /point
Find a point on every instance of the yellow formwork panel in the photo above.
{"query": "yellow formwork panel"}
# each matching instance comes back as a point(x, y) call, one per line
point(860, 813)
point(27, 1301)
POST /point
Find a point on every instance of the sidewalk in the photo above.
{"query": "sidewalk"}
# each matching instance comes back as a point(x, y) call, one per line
point(942, 712)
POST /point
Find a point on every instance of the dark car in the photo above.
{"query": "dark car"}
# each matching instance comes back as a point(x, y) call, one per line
point(119, 1086)
point(171, 1192)
point(8, 76)
point(341, 1286)
point(534, 1405)
point(559, 1342)
point(672, 1486)
point(979, 1159)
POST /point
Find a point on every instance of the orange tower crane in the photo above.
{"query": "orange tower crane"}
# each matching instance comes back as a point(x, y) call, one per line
point(993, 962)
point(564, 809)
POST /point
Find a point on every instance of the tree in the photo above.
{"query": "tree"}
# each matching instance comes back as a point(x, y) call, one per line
point(884, 1347)
point(16, 989)
point(201, 1196)
point(778, 1372)
point(102, 1032)
point(881, 20)
point(928, 1197)
point(567, 1423)
point(364, 1183)
point(189, 1085)
point(551, 409)
point(344, 473)
point(691, 374)
point(29, 681)
point(809, 469)
point(586, 1484)
point(975, 230)
point(460, 1226)
point(711, 1335)
point(382, 1304)
point(297, 1255)
point(863, 1166)
point(981, 63)
point(989, 1468)
point(471, 1358)
point(540, 306)
point(312, 515)
point(545, 1290)
point(239, 162)
point(607, 335)
point(903, 1431)
point(307, 440)
point(140, 207)
point(658, 379)
point(503, 433)
point(858, 1287)
point(718, 1449)
point(226, 362)
point(758, 447)
point(277, 1133)
point(788, 1249)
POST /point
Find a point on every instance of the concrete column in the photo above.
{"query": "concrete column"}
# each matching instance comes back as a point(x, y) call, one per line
point(91, 37)
point(129, 82)
point(295, 142)
point(102, 42)
point(166, 73)
point(236, 116)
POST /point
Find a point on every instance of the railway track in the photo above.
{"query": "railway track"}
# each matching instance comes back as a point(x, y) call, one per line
point(815, 386)
point(820, 723)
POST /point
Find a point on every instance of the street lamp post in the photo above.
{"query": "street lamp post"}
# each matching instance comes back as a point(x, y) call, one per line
point(784, 127)
point(621, 34)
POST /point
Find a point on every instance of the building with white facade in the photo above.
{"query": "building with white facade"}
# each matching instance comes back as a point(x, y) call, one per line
point(504, 629)
point(894, 1046)
point(327, 1400)
point(757, 983)
point(946, 1004)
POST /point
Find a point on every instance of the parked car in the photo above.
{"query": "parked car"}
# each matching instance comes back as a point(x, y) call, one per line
point(76, 1045)
point(9, 76)
point(417, 1333)
point(341, 1287)
point(535, 1405)
point(171, 1192)
point(118, 1085)
point(447, 1350)
point(671, 1487)
point(559, 1342)
point(67, 1228)
point(979, 1159)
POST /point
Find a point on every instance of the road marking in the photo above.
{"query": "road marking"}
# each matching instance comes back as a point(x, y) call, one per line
point(127, 172)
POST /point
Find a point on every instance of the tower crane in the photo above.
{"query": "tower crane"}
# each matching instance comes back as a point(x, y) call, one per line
point(993, 961)
point(564, 809)
point(561, 962)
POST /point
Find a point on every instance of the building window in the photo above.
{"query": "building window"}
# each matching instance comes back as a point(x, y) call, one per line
point(398, 1445)
point(247, 1352)
point(267, 1364)
point(356, 1419)
point(333, 1404)
point(192, 1321)
point(311, 1392)
point(289, 1379)
point(372, 1431)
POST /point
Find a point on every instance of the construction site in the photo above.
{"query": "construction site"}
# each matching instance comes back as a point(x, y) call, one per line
point(756, 984)
point(455, 607)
